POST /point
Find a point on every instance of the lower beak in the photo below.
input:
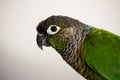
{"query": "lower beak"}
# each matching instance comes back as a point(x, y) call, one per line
point(42, 40)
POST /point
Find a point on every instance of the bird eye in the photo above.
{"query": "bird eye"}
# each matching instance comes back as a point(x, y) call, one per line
point(53, 29)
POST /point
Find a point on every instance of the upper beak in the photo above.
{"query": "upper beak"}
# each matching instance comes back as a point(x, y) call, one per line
point(42, 40)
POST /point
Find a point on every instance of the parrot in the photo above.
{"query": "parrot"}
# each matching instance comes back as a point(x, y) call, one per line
point(92, 52)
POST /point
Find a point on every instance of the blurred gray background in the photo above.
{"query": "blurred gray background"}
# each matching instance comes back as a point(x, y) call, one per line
point(20, 57)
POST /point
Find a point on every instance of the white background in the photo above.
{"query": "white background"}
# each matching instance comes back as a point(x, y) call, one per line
point(20, 57)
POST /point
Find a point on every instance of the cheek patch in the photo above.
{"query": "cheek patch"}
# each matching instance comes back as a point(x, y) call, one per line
point(67, 33)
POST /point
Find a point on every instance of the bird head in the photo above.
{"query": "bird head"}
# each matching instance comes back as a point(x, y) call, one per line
point(59, 32)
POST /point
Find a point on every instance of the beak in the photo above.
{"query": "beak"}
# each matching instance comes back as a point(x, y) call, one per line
point(42, 40)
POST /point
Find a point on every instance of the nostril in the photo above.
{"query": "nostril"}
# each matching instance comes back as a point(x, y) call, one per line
point(38, 29)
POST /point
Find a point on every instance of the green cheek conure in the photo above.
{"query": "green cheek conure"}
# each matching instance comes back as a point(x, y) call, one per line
point(94, 53)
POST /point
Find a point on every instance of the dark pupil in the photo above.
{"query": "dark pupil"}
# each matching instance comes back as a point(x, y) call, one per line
point(53, 28)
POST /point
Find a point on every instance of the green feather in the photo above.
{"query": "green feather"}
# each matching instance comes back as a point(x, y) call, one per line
point(102, 52)
point(56, 41)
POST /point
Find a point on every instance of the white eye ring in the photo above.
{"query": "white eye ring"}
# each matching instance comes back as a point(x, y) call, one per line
point(53, 29)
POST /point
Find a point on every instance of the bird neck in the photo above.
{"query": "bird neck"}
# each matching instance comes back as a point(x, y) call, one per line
point(73, 55)
point(73, 45)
